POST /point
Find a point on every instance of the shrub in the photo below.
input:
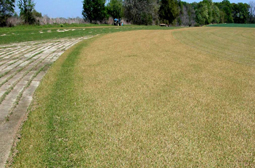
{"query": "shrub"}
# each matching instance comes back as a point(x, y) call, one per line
point(197, 25)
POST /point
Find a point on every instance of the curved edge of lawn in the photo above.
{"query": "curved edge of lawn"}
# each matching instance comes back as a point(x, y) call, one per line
point(39, 141)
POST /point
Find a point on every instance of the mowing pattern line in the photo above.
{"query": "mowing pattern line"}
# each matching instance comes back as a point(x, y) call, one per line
point(237, 43)
point(22, 67)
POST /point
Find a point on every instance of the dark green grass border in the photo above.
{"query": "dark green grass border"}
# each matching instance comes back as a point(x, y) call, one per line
point(232, 25)
point(59, 120)
point(56, 116)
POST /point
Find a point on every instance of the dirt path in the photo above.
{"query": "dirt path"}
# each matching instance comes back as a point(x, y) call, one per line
point(22, 66)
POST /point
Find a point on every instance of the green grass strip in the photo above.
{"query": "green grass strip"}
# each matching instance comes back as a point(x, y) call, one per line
point(57, 105)
point(233, 25)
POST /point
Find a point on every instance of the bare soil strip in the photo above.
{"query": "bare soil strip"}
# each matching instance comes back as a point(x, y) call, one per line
point(22, 66)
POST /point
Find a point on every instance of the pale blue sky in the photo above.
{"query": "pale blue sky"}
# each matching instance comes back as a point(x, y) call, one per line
point(73, 8)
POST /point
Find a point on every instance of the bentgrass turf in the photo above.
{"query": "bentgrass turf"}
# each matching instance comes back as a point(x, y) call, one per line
point(148, 99)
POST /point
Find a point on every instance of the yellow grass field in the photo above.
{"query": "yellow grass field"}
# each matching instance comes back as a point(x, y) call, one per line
point(159, 98)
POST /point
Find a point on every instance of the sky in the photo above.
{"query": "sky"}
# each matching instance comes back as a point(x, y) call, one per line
point(73, 8)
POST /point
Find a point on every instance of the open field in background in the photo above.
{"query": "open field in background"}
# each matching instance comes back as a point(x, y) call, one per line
point(147, 99)
point(232, 25)
point(33, 33)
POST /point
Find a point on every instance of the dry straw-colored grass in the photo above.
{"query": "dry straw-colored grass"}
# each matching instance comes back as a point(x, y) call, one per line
point(154, 99)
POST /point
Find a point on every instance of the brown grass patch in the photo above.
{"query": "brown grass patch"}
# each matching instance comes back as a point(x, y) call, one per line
point(147, 99)
point(160, 102)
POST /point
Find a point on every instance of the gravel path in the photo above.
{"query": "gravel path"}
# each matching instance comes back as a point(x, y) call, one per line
point(22, 66)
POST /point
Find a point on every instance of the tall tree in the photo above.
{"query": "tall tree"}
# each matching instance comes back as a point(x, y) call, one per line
point(115, 8)
point(215, 14)
point(207, 12)
point(6, 10)
point(168, 10)
point(94, 10)
point(26, 10)
point(202, 16)
point(209, 5)
point(37, 14)
point(240, 12)
point(140, 11)
point(227, 8)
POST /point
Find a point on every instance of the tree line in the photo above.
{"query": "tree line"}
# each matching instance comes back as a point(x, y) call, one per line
point(27, 11)
point(145, 12)
point(176, 12)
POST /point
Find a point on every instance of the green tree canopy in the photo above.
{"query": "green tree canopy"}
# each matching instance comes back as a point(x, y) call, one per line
point(240, 12)
point(94, 10)
point(168, 10)
point(115, 8)
point(227, 8)
point(140, 11)
point(36, 13)
point(202, 16)
point(215, 14)
point(26, 10)
point(6, 10)
point(207, 12)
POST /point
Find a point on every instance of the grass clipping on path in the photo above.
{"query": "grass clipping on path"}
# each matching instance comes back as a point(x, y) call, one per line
point(142, 99)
